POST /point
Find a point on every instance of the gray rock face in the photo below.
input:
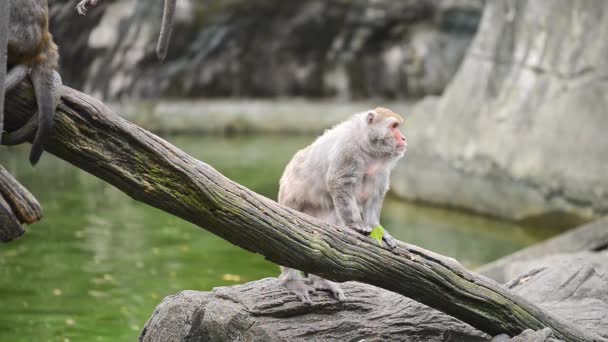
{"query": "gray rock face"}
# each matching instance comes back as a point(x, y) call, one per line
point(545, 335)
point(573, 286)
point(520, 131)
point(176, 311)
point(570, 286)
point(267, 48)
point(264, 311)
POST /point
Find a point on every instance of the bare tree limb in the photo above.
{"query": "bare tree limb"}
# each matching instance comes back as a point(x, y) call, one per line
point(17, 206)
point(147, 168)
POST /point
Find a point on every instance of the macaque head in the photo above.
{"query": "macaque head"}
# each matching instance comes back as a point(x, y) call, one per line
point(384, 133)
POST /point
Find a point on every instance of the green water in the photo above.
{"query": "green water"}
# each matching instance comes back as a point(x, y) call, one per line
point(98, 263)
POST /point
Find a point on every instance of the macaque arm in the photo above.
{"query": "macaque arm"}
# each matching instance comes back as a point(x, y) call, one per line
point(373, 206)
point(341, 183)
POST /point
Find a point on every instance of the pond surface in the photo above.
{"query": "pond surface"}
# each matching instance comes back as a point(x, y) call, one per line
point(99, 262)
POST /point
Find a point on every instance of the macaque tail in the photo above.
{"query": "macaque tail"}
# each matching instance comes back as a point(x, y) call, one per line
point(16, 75)
point(4, 22)
point(46, 83)
point(165, 29)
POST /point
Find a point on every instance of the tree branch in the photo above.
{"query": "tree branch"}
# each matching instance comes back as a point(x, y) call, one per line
point(17, 206)
point(149, 169)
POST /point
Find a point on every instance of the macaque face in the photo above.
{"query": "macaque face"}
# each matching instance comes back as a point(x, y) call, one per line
point(400, 142)
point(385, 136)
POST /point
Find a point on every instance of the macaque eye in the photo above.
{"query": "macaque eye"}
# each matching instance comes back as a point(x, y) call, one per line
point(395, 125)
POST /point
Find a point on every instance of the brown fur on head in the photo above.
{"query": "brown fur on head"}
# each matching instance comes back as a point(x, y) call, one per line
point(385, 112)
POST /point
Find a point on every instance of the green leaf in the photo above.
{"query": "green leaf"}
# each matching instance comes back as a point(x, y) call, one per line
point(377, 233)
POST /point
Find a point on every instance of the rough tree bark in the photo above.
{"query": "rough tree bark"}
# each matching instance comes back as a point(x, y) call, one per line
point(147, 168)
point(17, 206)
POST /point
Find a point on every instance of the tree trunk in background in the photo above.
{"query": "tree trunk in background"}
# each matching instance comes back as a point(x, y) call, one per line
point(521, 130)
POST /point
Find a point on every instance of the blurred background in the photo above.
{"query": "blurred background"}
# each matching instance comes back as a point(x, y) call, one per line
point(504, 104)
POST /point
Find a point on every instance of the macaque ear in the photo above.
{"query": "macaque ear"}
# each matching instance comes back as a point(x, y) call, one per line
point(370, 118)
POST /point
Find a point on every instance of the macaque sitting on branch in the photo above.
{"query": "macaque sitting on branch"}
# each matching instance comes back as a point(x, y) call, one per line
point(342, 179)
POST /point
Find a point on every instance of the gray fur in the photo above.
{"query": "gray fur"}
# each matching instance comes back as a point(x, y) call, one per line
point(30, 43)
point(342, 179)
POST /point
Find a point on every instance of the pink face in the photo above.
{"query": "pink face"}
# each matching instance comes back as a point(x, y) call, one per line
point(400, 141)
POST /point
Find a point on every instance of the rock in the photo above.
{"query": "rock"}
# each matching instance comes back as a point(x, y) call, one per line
point(520, 131)
point(264, 311)
point(267, 48)
point(545, 335)
point(175, 311)
point(572, 287)
point(589, 237)
point(246, 116)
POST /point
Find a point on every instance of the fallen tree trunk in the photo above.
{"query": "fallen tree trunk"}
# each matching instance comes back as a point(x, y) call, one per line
point(147, 168)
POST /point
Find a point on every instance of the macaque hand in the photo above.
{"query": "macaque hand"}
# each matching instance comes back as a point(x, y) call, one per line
point(360, 227)
point(84, 5)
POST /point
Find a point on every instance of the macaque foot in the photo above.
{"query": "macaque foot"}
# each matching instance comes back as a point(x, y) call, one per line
point(390, 241)
point(84, 5)
point(326, 285)
point(300, 289)
point(360, 227)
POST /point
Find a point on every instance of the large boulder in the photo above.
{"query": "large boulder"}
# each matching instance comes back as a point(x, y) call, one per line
point(266, 48)
point(528, 335)
point(520, 132)
point(572, 287)
point(265, 311)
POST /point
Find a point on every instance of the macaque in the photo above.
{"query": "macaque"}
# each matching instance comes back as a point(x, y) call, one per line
point(342, 179)
point(165, 28)
point(30, 44)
